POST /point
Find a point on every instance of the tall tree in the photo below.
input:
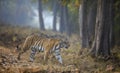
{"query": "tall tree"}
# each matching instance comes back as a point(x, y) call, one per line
point(62, 26)
point(91, 19)
point(41, 21)
point(83, 24)
point(66, 19)
point(55, 9)
point(103, 28)
point(87, 22)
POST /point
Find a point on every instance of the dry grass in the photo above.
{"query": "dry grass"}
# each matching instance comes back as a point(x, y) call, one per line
point(75, 59)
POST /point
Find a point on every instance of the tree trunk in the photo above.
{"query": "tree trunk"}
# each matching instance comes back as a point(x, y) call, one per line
point(66, 19)
point(55, 8)
point(92, 10)
point(41, 21)
point(83, 24)
point(62, 25)
point(101, 44)
point(111, 19)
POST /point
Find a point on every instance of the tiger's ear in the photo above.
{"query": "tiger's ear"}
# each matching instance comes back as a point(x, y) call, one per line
point(17, 48)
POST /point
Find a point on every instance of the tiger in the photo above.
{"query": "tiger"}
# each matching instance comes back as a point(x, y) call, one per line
point(47, 45)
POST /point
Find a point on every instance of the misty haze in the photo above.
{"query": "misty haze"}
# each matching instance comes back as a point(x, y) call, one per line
point(59, 36)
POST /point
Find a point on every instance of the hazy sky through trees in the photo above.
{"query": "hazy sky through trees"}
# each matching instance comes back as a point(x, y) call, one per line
point(48, 18)
point(24, 12)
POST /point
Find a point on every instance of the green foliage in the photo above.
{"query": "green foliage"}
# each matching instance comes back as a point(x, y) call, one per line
point(64, 2)
point(76, 3)
point(47, 4)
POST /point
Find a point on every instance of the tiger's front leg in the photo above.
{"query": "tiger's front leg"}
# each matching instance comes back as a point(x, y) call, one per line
point(58, 56)
point(32, 55)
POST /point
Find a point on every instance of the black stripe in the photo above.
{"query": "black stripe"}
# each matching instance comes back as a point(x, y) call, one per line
point(32, 56)
point(40, 44)
point(56, 47)
point(33, 49)
point(40, 48)
point(57, 54)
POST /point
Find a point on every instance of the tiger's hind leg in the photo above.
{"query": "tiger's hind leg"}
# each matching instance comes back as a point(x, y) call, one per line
point(45, 57)
point(19, 55)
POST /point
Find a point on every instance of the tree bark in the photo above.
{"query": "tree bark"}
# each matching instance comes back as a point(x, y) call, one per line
point(83, 24)
point(61, 19)
point(91, 19)
point(55, 8)
point(66, 19)
point(41, 21)
point(101, 44)
point(111, 19)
